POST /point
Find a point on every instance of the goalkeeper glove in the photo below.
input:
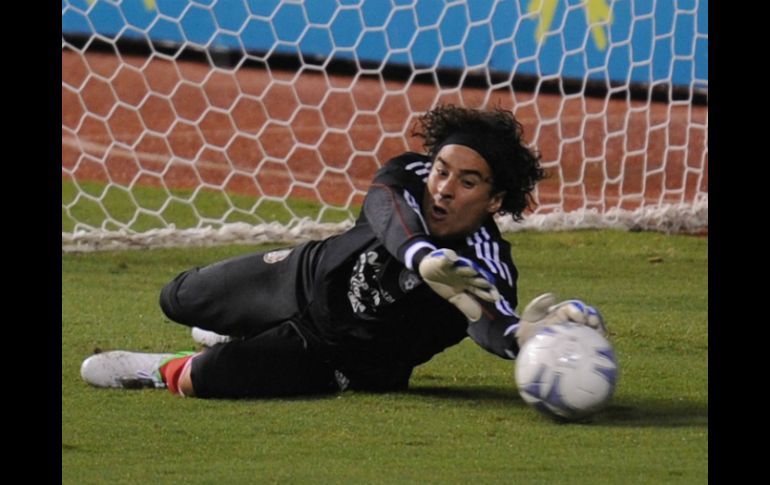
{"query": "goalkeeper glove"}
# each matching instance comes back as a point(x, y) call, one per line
point(456, 278)
point(543, 311)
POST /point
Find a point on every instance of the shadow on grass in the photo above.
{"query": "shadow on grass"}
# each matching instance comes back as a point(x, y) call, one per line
point(489, 395)
point(662, 413)
point(627, 412)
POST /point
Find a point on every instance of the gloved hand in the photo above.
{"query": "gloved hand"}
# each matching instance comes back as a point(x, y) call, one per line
point(456, 278)
point(543, 311)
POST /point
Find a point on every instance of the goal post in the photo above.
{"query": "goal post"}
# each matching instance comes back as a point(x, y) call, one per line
point(214, 121)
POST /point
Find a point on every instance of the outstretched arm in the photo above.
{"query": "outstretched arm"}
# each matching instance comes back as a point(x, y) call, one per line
point(504, 336)
point(460, 281)
point(496, 335)
point(392, 209)
point(492, 324)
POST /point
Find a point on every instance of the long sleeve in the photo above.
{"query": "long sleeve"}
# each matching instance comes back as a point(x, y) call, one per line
point(392, 208)
point(496, 330)
point(496, 334)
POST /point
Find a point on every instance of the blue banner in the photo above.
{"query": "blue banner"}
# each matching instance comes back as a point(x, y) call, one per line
point(642, 41)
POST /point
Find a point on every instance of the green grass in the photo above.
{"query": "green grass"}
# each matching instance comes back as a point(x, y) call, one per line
point(461, 422)
point(143, 208)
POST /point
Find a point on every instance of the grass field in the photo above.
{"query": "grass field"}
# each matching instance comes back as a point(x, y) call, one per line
point(461, 422)
point(144, 208)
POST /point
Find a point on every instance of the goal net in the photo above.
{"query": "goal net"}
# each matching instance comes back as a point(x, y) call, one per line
point(214, 121)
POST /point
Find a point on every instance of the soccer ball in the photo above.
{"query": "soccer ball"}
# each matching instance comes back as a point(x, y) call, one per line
point(566, 371)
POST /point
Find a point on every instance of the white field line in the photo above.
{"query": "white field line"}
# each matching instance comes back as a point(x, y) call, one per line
point(171, 159)
point(168, 160)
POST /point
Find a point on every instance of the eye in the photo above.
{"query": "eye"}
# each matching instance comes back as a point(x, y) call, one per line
point(468, 183)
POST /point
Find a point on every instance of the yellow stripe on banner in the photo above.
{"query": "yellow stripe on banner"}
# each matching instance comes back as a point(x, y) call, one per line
point(597, 13)
point(546, 9)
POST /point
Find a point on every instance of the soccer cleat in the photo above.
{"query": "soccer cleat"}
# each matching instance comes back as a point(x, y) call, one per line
point(127, 370)
point(207, 338)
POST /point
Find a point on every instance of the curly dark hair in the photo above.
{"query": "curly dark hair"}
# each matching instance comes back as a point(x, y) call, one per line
point(515, 168)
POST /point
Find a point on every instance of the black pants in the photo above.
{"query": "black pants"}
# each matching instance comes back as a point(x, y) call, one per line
point(252, 297)
point(242, 296)
point(273, 363)
point(255, 297)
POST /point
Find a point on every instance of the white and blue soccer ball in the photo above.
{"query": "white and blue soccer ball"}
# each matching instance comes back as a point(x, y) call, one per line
point(567, 371)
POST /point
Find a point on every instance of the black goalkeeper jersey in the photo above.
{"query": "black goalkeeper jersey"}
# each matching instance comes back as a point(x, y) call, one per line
point(364, 297)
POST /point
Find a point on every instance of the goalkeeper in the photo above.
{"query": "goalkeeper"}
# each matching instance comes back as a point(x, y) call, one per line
point(423, 267)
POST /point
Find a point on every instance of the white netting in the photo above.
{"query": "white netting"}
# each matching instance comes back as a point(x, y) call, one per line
point(213, 122)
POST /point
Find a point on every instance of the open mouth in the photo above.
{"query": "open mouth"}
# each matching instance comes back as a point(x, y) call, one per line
point(439, 212)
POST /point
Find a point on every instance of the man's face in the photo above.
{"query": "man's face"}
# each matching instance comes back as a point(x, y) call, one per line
point(459, 194)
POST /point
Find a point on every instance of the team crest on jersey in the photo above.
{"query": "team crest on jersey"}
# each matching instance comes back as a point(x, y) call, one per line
point(275, 256)
point(408, 280)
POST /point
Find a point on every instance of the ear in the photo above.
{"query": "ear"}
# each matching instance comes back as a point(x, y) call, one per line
point(495, 202)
